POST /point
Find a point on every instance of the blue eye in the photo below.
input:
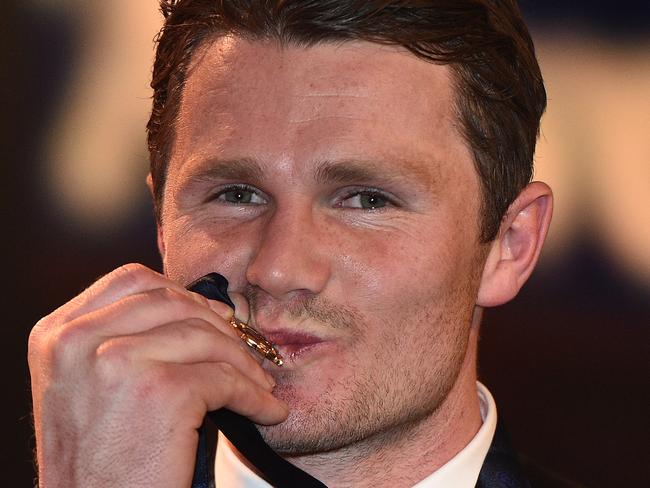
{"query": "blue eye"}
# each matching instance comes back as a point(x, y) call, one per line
point(366, 200)
point(239, 195)
point(372, 200)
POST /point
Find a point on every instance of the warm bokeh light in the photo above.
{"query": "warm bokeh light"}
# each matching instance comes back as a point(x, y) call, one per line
point(96, 151)
point(595, 145)
point(594, 149)
point(566, 360)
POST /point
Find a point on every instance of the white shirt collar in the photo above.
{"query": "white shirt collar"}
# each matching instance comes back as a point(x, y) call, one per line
point(463, 469)
point(460, 471)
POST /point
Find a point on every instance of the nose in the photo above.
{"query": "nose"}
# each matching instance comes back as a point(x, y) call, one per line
point(291, 254)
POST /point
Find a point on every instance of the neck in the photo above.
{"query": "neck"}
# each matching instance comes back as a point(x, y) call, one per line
point(411, 452)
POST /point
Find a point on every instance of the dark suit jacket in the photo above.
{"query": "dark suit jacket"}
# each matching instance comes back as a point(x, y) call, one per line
point(501, 468)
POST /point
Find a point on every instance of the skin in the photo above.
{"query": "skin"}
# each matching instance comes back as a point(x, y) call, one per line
point(357, 229)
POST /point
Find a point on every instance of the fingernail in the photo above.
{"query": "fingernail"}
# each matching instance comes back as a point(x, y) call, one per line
point(271, 380)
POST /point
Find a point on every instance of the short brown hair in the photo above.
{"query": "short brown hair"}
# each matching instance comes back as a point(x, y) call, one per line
point(500, 94)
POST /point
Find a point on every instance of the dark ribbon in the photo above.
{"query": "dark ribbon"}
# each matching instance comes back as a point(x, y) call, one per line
point(500, 469)
point(240, 431)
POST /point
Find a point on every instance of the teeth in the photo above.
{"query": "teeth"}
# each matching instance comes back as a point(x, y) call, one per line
point(257, 342)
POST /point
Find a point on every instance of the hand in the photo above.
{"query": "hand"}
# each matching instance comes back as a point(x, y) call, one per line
point(123, 374)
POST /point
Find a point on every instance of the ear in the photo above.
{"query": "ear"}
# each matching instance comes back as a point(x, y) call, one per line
point(159, 238)
point(515, 251)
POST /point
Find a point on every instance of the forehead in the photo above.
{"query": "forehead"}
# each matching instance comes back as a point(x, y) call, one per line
point(293, 105)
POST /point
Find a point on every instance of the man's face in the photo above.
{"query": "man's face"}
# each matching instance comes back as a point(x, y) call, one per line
point(331, 186)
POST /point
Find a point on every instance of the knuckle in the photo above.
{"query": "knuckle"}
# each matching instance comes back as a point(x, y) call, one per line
point(113, 358)
point(65, 342)
point(132, 269)
point(227, 375)
point(191, 329)
point(68, 335)
point(132, 276)
point(231, 385)
point(55, 349)
point(53, 340)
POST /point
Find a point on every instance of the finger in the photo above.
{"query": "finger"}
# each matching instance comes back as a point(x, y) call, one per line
point(220, 385)
point(124, 281)
point(146, 310)
point(220, 308)
point(242, 311)
point(186, 341)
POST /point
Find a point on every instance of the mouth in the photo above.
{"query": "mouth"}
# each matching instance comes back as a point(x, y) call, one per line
point(294, 345)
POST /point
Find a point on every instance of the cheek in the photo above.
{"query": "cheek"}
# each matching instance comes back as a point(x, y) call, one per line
point(388, 271)
point(404, 272)
point(194, 249)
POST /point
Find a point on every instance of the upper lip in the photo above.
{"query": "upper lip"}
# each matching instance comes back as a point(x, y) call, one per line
point(284, 337)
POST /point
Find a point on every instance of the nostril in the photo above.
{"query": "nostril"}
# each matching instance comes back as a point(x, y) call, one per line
point(288, 257)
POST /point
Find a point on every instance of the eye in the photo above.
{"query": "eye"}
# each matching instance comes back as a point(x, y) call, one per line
point(239, 195)
point(366, 200)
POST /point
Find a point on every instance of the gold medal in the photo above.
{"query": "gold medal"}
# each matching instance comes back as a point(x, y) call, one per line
point(257, 342)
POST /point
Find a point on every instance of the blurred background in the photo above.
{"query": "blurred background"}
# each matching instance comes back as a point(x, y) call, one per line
point(568, 361)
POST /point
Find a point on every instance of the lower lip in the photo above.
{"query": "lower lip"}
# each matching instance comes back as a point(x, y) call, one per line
point(300, 351)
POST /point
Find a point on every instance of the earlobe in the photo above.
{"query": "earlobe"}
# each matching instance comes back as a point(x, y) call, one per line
point(514, 253)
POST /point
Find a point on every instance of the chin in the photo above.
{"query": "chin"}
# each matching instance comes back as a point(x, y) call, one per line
point(315, 420)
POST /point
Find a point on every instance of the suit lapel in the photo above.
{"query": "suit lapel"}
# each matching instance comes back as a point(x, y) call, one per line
point(501, 468)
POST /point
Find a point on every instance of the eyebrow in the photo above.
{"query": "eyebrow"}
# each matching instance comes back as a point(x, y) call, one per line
point(345, 171)
point(227, 169)
point(353, 170)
